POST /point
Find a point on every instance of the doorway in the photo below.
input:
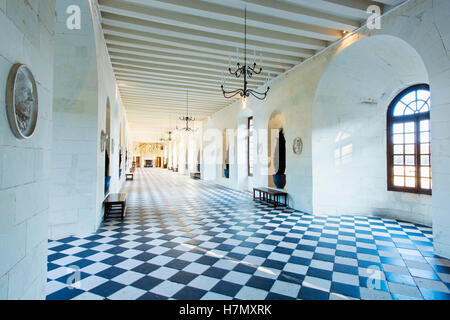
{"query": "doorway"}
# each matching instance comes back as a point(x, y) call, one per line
point(138, 162)
point(158, 162)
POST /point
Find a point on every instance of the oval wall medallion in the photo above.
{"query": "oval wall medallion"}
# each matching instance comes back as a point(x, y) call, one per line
point(21, 101)
point(298, 145)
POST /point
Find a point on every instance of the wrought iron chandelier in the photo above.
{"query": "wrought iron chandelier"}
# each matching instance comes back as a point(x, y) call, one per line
point(247, 71)
point(187, 118)
point(169, 139)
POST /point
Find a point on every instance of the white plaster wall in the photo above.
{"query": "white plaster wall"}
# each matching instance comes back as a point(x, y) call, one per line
point(84, 81)
point(107, 89)
point(26, 35)
point(425, 26)
point(213, 153)
point(349, 134)
point(290, 94)
point(73, 191)
point(437, 50)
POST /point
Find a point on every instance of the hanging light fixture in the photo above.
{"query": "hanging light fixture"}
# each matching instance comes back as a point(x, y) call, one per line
point(247, 72)
point(187, 118)
point(169, 137)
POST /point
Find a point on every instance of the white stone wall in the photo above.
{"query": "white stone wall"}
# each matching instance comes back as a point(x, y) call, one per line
point(107, 89)
point(75, 115)
point(213, 147)
point(424, 26)
point(26, 36)
point(349, 130)
point(83, 82)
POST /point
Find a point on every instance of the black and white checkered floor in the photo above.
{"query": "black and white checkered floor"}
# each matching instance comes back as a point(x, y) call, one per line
point(186, 239)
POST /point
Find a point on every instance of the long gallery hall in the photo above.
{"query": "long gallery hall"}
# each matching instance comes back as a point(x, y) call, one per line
point(186, 239)
point(252, 150)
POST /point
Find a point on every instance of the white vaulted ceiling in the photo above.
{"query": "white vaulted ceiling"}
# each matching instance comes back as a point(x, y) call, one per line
point(159, 49)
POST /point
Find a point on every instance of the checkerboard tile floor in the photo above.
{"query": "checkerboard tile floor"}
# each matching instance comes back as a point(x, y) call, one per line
point(187, 239)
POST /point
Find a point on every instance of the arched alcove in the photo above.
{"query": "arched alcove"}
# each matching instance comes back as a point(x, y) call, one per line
point(198, 160)
point(108, 145)
point(276, 148)
point(245, 150)
point(225, 155)
point(121, 143)
point(349, 130)
point(186, 153)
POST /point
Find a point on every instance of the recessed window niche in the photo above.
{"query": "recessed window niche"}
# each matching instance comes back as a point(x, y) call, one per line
point(276, 151)
point(108, 145)
point(225, 156)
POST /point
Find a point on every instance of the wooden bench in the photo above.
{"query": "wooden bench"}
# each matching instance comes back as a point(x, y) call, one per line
point(195, 175)
point(129, 176)
point(115, 203)
point(271, 196)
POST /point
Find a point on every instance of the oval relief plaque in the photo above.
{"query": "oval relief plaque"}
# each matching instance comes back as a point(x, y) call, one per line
point(21, 101)
point(298, 145)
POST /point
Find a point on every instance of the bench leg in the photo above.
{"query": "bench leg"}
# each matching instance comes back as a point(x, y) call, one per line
point(106, 212)
point(123, 209)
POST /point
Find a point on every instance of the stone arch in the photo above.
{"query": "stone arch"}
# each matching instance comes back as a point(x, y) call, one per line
point(276, 152)
point(108, 155)
point(244, 182)
point(349, 130)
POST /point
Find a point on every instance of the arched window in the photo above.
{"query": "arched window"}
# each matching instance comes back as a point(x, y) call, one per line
point(250, 146)
point(408, 141)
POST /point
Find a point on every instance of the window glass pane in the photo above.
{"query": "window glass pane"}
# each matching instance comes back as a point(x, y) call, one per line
point(398, 149)
point(399, 170)
point(410, 171)
point(410, 182)
point(399, 181)
point(425, 107)
point(424, 137)
point(409, 127)
point(425, 160)
point(398, 139)
point(425, 172)
point(423, 94)
point(425, 183)
point(406, 136)
point(398, 128)
point(409, 138)
point(409, 98)
point(410, 149)
point(416, 101)
point(410, 160)
point(425, 125)
point(399, 109)
point(425, 148)
point(409, 110)
point(398, 160)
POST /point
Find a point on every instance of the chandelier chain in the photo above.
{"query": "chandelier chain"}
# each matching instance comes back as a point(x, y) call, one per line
point(246, 71)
